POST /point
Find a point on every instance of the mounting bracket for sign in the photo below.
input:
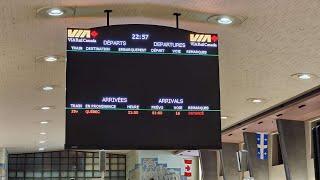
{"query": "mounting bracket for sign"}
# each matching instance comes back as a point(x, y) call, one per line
point(177, 19)
point(108, 11)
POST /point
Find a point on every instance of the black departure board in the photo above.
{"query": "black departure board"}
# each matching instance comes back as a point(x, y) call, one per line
point(142, 87)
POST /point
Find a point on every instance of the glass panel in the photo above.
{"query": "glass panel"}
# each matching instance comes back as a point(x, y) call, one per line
point(30, 155)
point(20, 167)
point(122, 160)
point(114, 167)
point(96, 160)
point(55, 174)
point(72, 174)
point(46, 174)
point(38, 160)
point(64, 160)
point(89, 154)
point(64, 167)
point(39, 155)
point(80, 174)
point(122, 167)
point(72, 154)
point(47, 155)
point(55, 167)
point(64, 174)
point(55, 160)
point(38, 174)
point(72, 167)
point(55, 154)
point(89, 167)
point(50, 166)
point(38, 167)
point(29, 167)
point(122, 173)
point(47, 160)
point(80, 154)
point(30, 161)
point(88, 174)
point(12, 160)
point(89, 160)
point(47, 167)
point(64, 154)
point(114, 160)
point(114, 173)
point(12, 167)
point(72, 160)
point(20, 174)
point(96, 174)
point(96, 167)
point(20, 160)
point(12, 174)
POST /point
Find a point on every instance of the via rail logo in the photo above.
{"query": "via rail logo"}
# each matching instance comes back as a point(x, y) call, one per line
point(203, 38)
point(82, 35)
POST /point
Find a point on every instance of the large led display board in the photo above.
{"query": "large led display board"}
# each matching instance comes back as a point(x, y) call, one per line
point(142, 87)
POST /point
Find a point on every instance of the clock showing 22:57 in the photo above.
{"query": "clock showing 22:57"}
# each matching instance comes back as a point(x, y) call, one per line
point(136, 36)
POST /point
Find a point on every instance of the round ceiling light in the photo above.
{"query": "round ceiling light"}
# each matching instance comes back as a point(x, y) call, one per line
point(55, 12)
point(256, 100)
point(225, 19)
point(304, 76)
point(41, 149)
point(46, 108)
point(50, 58)
point(43, 133)
point(47, 88)
point(224, 117)
point(42, 142)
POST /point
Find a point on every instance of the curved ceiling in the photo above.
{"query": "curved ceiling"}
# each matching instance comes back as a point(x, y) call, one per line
point(278, 38)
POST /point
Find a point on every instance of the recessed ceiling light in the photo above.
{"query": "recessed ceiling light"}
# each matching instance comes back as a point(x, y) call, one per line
point(41, 149)
point(43, 133)
point(44, 122)
point(50, 58)
point(47, 88)
point(304, 76)
point(255, 100)
point(224, 117)
point(225, 20)
point(45, 107)
point(42, 142)
point(55, 12)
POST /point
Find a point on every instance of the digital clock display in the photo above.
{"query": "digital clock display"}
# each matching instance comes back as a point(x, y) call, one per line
point(136, 36)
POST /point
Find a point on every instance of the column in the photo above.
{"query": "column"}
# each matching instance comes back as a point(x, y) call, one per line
point(229, 161)
point(209, 164)
point(259, 169)
point(293, 148)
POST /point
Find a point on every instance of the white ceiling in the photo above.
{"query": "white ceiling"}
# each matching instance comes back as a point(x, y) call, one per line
point(278, 39)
